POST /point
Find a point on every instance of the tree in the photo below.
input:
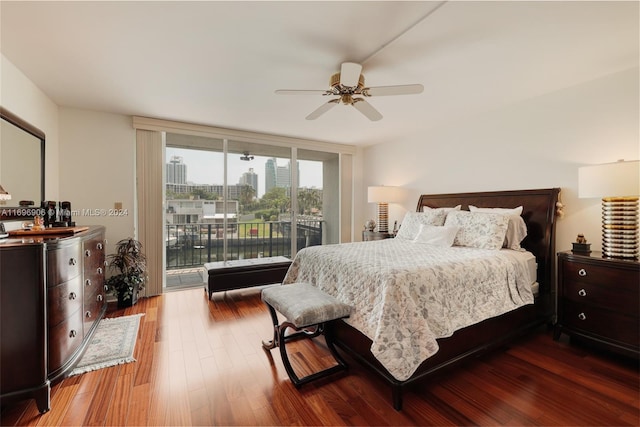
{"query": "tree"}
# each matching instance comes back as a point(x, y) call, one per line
point(276, 199)
point(308, 199)
point(199, 193)
point(247, 193)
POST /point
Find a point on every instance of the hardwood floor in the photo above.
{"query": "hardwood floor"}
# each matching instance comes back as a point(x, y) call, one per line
point(201, 363)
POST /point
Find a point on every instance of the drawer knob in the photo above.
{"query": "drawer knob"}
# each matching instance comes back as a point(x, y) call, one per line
point(582, 272)
point(87, 253)
point(88, 314)
point(582, 293)
point(99, 270)
point(72, 261)
point(582, 316)
point(99, 297)
point(72, 334)
point(73, 295)
point(106, 288)
point(99, 246)
point(87, 282)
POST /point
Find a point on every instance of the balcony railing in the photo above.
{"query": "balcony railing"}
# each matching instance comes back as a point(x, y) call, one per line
point(191, 245)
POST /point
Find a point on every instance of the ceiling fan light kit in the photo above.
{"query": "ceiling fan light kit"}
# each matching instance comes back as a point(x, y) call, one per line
point(349, 82)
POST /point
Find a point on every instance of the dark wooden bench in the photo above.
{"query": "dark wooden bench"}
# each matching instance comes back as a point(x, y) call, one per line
point(245, 273)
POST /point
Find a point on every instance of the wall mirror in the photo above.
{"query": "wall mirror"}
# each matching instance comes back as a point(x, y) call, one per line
point(21, 165)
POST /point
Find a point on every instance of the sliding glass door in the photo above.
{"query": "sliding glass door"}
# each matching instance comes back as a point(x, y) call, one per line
point(231, 199)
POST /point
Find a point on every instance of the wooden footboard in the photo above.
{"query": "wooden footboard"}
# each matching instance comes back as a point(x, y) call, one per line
point(539, 212)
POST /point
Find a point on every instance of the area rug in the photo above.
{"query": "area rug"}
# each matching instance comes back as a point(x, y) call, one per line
point(112, 344)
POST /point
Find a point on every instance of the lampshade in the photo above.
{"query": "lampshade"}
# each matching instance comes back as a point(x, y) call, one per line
point(383, 194)
point(618, 184)
point(609, 180)
point(4, 195)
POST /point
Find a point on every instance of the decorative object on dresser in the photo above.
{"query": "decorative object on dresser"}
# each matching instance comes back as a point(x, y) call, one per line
point(619, 185)
point(4, 195)
point(598, 301)
point(130, 264)
point(580, 246)
point(383, 195)
point(51, 297)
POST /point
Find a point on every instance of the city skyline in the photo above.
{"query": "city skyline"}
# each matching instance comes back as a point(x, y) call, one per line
point(200, 171)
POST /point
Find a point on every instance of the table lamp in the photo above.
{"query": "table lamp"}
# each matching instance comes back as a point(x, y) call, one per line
point(383, 195)
point(619, 186)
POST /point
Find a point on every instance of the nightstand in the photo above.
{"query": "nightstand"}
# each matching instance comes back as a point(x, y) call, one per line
point(598, 300)
point(375, 235)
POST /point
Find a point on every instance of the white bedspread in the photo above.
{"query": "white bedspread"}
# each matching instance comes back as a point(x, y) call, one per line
point(407, 294)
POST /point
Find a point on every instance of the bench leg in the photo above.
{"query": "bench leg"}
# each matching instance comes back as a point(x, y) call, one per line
point(280, 339)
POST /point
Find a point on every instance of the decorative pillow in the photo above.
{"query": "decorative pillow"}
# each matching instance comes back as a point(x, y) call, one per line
point(516, 232)
point(411, 223)
point(510, 211)
point(516, 229)
point(429, 208)
point(478, 229)
point(436, 235)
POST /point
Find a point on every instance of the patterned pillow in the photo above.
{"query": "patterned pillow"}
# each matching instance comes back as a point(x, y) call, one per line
point(516, 230)
point(478, 229)
point(412, 221)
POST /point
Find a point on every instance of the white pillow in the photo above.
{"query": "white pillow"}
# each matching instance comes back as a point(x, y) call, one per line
point(516, 229)
point(510, 211)
point(436, 235)
point(410, 226)
point(478, 229)
point(429, 208)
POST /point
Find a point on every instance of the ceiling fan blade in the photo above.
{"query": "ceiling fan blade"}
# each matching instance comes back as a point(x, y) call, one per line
point(322, 109)
point(393, 90)
point(301, 92)
point(367, 109)
point(350, 74)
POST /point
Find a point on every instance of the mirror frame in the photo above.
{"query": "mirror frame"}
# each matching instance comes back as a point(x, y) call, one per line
point(17, 212)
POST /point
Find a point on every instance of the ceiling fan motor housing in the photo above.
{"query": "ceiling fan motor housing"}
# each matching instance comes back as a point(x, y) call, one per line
point(334, 82)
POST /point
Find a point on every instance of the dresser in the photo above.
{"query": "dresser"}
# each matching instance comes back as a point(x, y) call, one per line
point(52, 296)
point(599, 300)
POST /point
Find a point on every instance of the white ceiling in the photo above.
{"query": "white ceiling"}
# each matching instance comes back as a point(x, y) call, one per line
point(218, 63)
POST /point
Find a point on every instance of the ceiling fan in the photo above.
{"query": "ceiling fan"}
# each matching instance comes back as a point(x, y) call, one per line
point(348, 86)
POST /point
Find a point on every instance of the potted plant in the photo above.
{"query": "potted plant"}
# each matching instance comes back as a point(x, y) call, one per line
point(130, 267)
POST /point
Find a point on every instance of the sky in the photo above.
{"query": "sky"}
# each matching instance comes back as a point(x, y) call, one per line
point(206, 167)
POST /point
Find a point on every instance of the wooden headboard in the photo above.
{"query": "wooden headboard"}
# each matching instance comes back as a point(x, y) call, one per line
point(539, 213)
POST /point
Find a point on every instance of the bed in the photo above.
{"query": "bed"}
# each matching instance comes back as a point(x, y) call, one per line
point(404, 292)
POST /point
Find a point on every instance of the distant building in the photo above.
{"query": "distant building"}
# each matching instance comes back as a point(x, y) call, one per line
point(200, 211)
point(233, 191)
point(176, 171)
point(250, 178)
point(278, 176)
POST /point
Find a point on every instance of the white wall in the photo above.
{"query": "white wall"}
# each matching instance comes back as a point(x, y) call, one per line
point(97, 169)
point(539, 143)
point(19, 95)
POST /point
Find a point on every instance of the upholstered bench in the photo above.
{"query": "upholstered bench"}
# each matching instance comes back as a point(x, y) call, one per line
point(307, 310)
point(245, 273)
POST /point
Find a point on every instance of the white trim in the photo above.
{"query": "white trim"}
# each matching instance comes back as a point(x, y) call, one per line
point(148, 123)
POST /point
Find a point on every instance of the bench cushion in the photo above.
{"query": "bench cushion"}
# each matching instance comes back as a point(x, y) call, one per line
point(304, 304)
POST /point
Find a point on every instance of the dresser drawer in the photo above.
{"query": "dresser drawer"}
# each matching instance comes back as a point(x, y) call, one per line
point(92, 309)
point(64, 340)
point(93, 254)
point(619, 280)
point(609, 296)
point(63, 264)
point(63, 300)
point(605, 323)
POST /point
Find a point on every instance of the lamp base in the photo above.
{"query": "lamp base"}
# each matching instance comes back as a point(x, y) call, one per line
point(383, 217)
point(620, 227)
